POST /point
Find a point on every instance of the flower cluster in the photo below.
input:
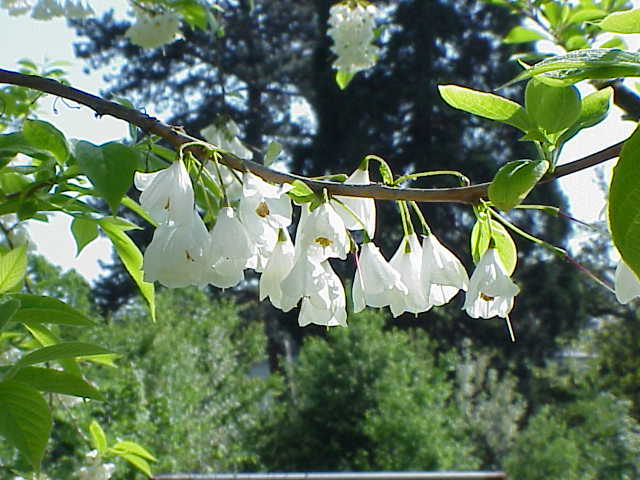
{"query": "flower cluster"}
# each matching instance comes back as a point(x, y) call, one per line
point(352, 30)
point(47, 9)
point(96, 470)
point(152, 30)
point(254, 235)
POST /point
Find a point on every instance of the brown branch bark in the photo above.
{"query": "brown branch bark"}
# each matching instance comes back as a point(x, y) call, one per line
point(176, 137)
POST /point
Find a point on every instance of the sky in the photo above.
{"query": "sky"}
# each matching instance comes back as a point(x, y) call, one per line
point(53, 239)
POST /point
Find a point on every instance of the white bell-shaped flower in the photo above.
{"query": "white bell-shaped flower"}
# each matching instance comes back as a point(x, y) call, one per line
point(151, 31)
point(304, 280)
point(166, 194)
point(263, 210)
point(278, 267)
point(230, 250)
point(442, 273)
point(327, 306)
point(225, 137)
point(407, 262)
point(626, 283)
point(323, 228)
point(176, 255)
point(363, 208)
point(491, 291)
point(376, 283)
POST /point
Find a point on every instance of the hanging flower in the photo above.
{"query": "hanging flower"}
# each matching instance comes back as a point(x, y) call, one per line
point(176, 255)
point(626, 283)
point(327, 306)
point(167, 194)
point(352, 30)
point(323, 228)
point(264, 209)
point(278, 267)
point(407, 262)
point(442, 272)
point(376, 283)
point(304, 280)
point(153, 30)
point(225, 137)
point(363, 208)
point(230, 250)
point(491, 291)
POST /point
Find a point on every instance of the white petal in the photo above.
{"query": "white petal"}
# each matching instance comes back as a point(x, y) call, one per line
point(168, 194)
point(408, 264)
point(363, 208)
point(626, 283)
point(278, 267)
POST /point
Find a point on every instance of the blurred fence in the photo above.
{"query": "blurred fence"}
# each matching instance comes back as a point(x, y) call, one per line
point(336, 476)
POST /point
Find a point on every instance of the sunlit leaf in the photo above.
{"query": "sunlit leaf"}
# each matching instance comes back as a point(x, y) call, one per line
point(13, 267)
point(514, 181)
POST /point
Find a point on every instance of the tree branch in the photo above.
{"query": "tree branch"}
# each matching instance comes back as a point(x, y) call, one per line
point(176, 137)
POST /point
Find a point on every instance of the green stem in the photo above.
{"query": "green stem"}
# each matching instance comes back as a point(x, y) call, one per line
point(555, 250)
point(341, 177)
point(464, 181)
point(219, 173)
point(425, 226)
point(355, 216)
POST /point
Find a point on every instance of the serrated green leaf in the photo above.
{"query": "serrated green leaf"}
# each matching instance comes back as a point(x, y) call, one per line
point(57, 352)
point(481, 235)
point(25, 420)
point(85, 231)
point(131, 258)
point(13, 268)
point(42, 309)
point(98, 437)
point(343, 79)
point(138, 462)
point(522, 35)
point(624, 203)
point(596, 63)
point(553, 109)
point(8, 308)
point(134, 448)
point(273, 150)
point(46, 337)
point(57, 381)
point(514, 181)
point(45, 136)
point(486, 105)
point(622, 22)
point(110, 167)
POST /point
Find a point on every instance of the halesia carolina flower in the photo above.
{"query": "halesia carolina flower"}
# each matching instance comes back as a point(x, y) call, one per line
point(305, 279)
point(151, 31)
point(407, 262)
point(376, 283)
point(278, 267)
point(491, 291)
point(264, 209)
point(363, 208)
point(176, 255)
point(323, 228)
point(230, 250)
point(626, 283)
point(328, 305)
point(225, 137)
point(167, 194)
point(352, 31)
point(442, 272)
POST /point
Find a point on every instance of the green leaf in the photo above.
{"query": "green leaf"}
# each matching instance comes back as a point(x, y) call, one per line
point(273, 150)
point(138, 462)
point(481, 235)
point(486, 105)
point(131, 258)
point(522, 35)
point(137, 209)
point(98, 437)
point(624, 203)
point(615, 42)
point(14, 143)
point(13, 268)
point(85, 231)
point(46, 337)
point(110, 167)
point(595, 107)
point(552, 108)
point(563, 70)
point(622, 22)
point(25, 420)
point(134, 448)
point(8, 308)
point(343, 79)
point(514, 181)
point(45, 136)
point(42, 309)
point(57, 381)
point(587, 15)
point(57, 352)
